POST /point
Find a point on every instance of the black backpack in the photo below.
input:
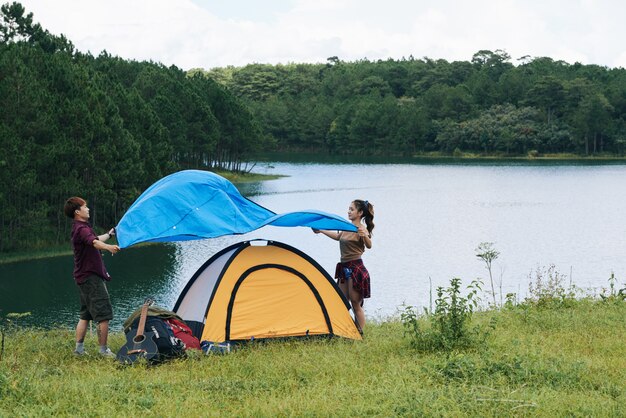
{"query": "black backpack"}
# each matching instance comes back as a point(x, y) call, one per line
point(168, 345)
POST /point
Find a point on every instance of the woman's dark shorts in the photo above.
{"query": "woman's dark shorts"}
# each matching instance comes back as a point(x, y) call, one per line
point(356, 272)
point(95, 303)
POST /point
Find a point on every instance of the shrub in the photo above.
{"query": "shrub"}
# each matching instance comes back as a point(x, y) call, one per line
point(448, 327)
point(548, 289)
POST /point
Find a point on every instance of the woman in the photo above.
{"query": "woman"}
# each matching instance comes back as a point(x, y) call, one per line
point(351, 274)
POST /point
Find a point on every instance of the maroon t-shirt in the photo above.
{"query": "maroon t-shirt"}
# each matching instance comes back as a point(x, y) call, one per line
point(87, 259)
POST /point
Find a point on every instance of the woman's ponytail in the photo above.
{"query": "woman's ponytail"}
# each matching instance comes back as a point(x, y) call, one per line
point(368, 213)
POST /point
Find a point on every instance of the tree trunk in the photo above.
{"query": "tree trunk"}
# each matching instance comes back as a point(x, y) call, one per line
point(601, 143)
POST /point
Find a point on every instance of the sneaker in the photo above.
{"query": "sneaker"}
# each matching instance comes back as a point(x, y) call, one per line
point(108, 353)
point(80, 353)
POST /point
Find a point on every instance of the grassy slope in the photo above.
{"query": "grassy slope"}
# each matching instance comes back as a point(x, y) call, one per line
point(566, 361)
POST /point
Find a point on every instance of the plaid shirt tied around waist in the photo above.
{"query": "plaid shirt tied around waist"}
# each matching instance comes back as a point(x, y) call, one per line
point(355, 270)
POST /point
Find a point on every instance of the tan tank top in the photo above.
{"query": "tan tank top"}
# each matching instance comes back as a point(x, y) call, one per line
point(351, 246)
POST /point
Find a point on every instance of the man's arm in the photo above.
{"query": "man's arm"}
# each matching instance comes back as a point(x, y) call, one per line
point(104, 237)
point(99, 245)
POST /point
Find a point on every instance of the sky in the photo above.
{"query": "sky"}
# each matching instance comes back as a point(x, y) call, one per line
point(218, 33)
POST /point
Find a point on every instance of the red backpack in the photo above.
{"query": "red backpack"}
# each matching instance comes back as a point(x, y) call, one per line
point(183, 332)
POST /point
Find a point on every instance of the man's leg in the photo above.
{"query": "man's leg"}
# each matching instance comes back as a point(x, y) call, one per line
point(81, 331)
point(103, 333)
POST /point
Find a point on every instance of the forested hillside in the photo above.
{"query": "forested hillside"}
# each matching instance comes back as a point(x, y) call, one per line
point(487, 105)
point(105, 128)
point(99, 127)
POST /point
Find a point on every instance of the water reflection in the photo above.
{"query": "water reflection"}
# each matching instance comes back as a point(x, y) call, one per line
point(142, 272)
point(46, 289)
point(253, 188)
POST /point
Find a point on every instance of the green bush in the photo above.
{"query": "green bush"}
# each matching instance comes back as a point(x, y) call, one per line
point(449, 326)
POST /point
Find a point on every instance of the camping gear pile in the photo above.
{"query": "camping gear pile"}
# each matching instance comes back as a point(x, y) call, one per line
point(156, 335)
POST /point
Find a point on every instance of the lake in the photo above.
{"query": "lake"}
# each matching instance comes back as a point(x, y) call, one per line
point(430, 217)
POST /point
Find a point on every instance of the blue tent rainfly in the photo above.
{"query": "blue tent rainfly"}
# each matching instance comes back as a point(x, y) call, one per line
point(195, 204)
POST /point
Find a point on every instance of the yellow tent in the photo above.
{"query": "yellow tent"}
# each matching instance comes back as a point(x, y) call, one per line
point(263, 289)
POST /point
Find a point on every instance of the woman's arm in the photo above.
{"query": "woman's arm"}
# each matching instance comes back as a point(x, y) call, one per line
point(330, 234)
point(365, 235)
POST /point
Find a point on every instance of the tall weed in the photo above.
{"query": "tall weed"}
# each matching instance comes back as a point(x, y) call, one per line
point(486, 252)
point(612, 294)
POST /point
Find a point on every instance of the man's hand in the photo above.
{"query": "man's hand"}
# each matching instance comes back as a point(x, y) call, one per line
point(113, 249)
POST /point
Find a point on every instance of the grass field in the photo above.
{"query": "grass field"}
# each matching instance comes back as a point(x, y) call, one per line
point(568, 360)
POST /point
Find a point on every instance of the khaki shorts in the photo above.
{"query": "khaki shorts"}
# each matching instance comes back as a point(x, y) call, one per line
point(95, 303)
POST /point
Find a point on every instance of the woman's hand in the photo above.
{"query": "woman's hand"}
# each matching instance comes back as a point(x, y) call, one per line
point(365, 236)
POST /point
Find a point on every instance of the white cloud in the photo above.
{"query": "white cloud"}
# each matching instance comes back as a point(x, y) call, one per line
point(189, 34)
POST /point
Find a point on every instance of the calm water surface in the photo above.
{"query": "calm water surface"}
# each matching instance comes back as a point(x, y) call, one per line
point(429, 219)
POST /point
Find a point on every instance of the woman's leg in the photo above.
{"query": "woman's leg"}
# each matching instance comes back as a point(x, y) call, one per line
point(355, 300)
point(344, 288)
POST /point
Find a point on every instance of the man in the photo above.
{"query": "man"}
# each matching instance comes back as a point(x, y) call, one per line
point(90, 274)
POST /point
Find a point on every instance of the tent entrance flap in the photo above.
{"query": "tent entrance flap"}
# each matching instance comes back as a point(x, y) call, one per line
point(256, 310)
